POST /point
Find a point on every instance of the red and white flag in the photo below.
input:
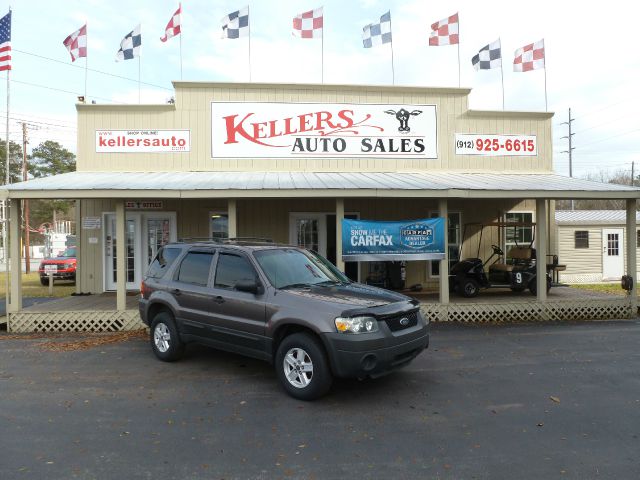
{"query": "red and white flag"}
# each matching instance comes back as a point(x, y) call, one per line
point(529, 57)
point(309, 24)
point(173, 27)
point(445, 32)
point(76, 43)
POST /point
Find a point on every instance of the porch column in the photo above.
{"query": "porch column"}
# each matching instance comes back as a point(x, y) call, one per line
point(541, 248)
point(443, 212)
point(232, 217)
point(121, 254)
point(632, 268)
point(15, 258)
point(78, 246)
point(339, 217)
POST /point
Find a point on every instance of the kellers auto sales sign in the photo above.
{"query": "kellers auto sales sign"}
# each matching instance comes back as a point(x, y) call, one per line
point(315, 130)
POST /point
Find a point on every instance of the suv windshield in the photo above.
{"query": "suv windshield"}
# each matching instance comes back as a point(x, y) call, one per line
point(290, 267)
point(68, 253)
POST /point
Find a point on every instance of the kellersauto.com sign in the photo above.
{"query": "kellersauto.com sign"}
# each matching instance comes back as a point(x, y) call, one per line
point(308, 130)
point(142, 141)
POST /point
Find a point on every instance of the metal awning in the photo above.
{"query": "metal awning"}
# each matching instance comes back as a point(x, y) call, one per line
point(437, 184)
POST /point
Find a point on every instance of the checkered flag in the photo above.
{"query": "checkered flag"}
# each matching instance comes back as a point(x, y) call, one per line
point(529, 57)
point(130, 45)
point(377, 33)
point(444, 32)
point(488, 57)
point(309, 24)
point(173, 27)
point(76, 43)
point(236, 24)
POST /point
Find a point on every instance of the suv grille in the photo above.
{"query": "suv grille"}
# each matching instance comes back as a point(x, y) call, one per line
point(394, 322)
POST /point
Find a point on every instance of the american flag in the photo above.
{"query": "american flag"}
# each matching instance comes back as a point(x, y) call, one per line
point(444, 32)
point(529, 57)
point(76, 43)
point(309, 24)
point(5, 42)
point(173, 27)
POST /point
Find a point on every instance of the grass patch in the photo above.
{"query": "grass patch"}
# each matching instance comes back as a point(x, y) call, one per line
point(610, 288)
point(31, 286)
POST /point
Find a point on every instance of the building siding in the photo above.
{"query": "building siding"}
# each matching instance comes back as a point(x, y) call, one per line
point(192, 111)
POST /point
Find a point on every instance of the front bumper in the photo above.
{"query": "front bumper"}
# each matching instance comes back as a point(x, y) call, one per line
point(59, 275)
point(375, 354)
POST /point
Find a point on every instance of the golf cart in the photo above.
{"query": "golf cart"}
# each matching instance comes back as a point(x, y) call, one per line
point(517, 271)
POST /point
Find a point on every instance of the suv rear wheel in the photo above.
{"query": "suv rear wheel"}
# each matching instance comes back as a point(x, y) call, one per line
point(302, 367)
point(165, 339)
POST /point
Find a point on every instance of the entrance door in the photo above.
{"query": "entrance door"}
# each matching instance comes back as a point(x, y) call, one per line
point(309, 230)
point(612, 253)
point(132, 238)
point(158, 230)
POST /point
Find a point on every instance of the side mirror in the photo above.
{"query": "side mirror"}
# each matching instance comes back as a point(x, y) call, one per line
point(249, 285)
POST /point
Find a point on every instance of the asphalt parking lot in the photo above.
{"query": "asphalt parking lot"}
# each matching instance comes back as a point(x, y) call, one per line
point(484, 402)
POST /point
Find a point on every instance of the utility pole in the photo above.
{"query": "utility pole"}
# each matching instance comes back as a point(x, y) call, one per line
point(571, 147)
point(27, 256)
point(633, 173)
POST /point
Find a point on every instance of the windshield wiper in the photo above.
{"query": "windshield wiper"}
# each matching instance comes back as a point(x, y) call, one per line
point(331, 282)
point(296, 285)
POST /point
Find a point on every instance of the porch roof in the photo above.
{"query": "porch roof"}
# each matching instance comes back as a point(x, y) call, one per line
point(229, 184)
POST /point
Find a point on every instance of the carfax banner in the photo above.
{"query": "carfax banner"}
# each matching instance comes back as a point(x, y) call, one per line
point(365, 240)
point(322, 130)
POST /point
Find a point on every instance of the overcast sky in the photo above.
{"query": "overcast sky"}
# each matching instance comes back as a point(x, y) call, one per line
point(593, 64)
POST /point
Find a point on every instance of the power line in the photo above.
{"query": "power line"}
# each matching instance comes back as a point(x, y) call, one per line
point(33, 122)
point(92, 70)
point(60, 90)
point(612, 136)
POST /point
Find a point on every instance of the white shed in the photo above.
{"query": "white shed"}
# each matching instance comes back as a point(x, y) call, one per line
point(591, 243)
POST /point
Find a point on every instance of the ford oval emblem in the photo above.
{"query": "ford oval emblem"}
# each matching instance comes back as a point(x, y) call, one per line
point(404, 321)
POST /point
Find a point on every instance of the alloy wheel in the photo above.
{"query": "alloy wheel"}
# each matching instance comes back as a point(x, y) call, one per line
point(298, 367)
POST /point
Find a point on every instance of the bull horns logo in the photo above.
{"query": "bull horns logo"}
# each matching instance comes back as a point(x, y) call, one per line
point(403, 116)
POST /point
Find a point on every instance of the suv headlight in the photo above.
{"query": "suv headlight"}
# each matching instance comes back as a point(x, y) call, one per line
point(356, 325)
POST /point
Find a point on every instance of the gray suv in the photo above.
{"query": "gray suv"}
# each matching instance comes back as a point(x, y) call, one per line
point(283, 304)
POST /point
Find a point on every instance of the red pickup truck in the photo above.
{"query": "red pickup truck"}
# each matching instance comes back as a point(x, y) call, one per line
point(63, 267)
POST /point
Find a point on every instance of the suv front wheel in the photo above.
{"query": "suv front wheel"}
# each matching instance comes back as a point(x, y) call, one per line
point(165, 339)
point(302, 367)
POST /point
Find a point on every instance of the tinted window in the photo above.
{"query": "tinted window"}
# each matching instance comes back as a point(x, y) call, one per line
point(286, 267)
point(582, 239)
point(231, 269)
point(195, 268)
point(162, 262)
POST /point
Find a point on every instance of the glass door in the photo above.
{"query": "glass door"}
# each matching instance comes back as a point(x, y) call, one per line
point(132, 238)
point(309, 230)
point(158, 230)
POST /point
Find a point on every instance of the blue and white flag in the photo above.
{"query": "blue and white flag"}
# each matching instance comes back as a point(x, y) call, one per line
point(377, 33)
point(130, 45)
point(236, 24)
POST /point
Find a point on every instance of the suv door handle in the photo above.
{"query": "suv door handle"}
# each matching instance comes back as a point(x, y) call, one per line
point(177, 292)
point(219, 299)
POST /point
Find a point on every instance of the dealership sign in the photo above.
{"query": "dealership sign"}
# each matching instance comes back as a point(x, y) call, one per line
point(365, 240)
point(142, 141)
point(320, 130)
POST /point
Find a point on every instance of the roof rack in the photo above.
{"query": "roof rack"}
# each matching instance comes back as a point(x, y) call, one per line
point(233, 241)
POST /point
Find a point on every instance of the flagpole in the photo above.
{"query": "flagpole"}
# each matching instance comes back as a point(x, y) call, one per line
point(546, 108)
point(249, 25)
point(459, 52)
point(322, 52)
point(501, 72)
point(139, 79)
point(393, 72)
point(181, 47)
point(86, 61)
point(5, 237)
